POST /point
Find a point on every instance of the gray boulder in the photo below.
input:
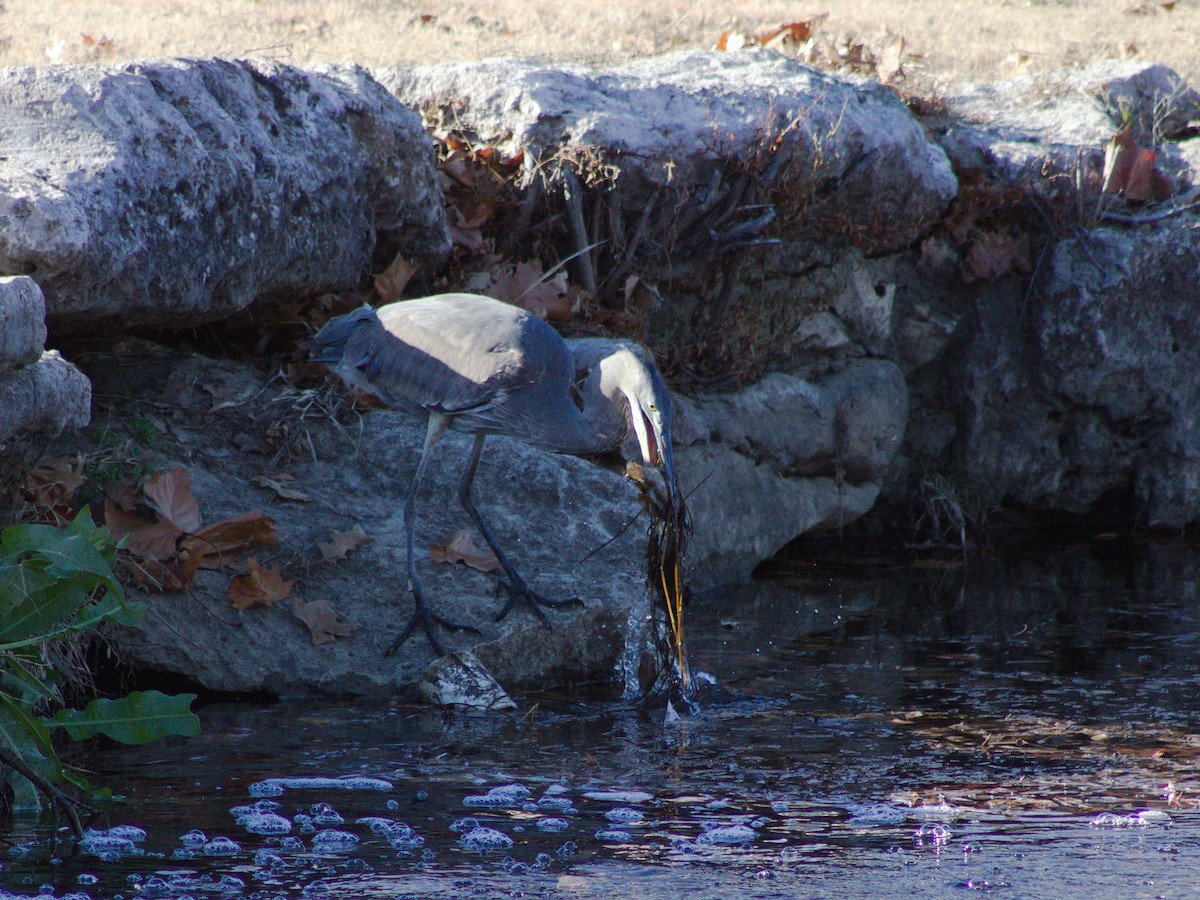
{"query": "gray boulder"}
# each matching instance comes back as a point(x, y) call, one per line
point(176, 192)
point(45, 397)
point(548, 511)
point(22, 322)
point(40, 392)
point(843, 150)
point(784, 457)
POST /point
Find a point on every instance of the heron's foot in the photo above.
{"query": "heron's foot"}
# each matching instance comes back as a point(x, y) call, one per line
point(427, 618)
point(518, 590)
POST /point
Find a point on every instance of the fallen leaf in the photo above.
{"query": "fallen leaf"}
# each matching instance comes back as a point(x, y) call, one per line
point(342, 542)
point(460, 547)
point(212, 546)
point(391, 282)
point(526, 286)
point(162, 576)
point(1132, 170)
point(144, 539)
point(54, 481)
point(322, 620)
point(992, 256)
point(259, 586)
point(170, 495)
point(276, 484)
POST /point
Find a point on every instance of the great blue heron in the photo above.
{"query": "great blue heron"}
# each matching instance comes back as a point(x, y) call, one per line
point(481, 366)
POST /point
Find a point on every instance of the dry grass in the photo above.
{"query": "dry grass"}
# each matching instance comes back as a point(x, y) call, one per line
point(964, 40)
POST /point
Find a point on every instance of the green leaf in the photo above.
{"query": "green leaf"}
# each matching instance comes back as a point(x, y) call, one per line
point(68, 553)
point(138, 718)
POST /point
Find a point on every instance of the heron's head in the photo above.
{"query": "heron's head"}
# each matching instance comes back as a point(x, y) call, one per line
point(628, 373)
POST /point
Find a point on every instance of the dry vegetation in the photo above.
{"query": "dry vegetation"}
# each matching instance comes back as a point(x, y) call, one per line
point(967, 40)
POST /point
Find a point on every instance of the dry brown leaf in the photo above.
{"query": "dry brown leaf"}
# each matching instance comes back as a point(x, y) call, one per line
point(992, 256)
point(276, 484)
point(1132, 170)
point(54, 481)
point(391, 282)
point(212, 546)
point(163, 577)
point(460, 547)
point(260, 585)
point(322, 620)
point(793, 32)
point(527, 287)
point(170, 495)
point(144, 539)
point(342, 542)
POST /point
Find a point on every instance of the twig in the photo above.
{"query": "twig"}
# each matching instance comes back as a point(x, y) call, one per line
point(573, 193)
point(1148, 219)
point(60, 801)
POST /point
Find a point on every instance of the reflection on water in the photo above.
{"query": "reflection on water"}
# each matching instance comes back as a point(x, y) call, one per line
point(1017, 728)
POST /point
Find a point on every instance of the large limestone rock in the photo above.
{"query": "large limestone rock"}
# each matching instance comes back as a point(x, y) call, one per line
point(176, 192)
point(783, 457)
point(843, 150)
point(548, 511)
point(39, 390)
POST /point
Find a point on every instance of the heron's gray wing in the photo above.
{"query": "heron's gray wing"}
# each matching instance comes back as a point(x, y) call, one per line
point(455, 353)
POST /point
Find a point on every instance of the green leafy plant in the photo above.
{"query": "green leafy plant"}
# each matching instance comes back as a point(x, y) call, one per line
point(56, 584)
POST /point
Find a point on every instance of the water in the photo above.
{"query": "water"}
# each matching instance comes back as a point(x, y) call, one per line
point(1024, 728)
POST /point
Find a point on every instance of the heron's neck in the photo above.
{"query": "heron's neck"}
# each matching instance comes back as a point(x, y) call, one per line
point(599, 427)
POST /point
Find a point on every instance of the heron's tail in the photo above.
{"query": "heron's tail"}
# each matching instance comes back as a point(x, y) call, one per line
point(329, 344)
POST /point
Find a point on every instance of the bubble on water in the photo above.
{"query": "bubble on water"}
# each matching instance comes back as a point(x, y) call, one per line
point(402, 836)
point(467, 823)
point(324, 814)
point(292, 844)
point(728, 834)
point(155, 888)
point(375, 823)
point(332, 839)
point(102, 843)
point(129, 832)
point(273, 787)
point(529, 806)
point(265, 823)
point(614, 836)
point(628, 797)
point(544, 860)
point(683, 845)
point(268, 859)
point(864, 814)
point(933, 835)
point(183, 853)
point(1141, 819)
point(556, 804)
point(194, 838)
point(74, 895)
point(484, 838)
point(623, 815)
point(568, 849)
point(936, 812)
point(504, 795)
point(393, 804)
point(551, 825)
point(231, 884)
point(258, 806)
point(222, 846)
point(86, 878)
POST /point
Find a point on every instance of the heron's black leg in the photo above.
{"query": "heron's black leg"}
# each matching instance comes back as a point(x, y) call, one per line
point(424, 614)
point(516, 586)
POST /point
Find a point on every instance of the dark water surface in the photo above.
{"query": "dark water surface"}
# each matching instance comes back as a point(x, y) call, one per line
point(1024, 728)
